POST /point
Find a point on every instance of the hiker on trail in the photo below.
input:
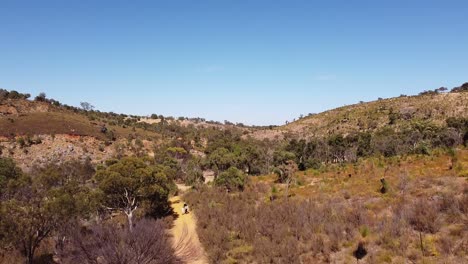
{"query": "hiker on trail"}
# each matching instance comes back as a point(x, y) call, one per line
point(185, 209)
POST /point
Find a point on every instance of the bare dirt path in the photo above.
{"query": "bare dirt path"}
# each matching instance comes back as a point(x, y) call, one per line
point(184, 229)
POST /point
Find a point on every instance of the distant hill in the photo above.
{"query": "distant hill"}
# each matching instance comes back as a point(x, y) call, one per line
point(24, 117)
point(44, 130)
point(20, 117)
point(395, 112)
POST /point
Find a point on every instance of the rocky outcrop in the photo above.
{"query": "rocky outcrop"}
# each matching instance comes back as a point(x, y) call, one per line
point(8, 110)
point(45, 149)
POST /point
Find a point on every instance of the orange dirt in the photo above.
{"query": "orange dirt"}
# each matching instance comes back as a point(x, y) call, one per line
point(185, 225)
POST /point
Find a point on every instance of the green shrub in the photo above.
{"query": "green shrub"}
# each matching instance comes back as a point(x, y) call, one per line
point(385, 188)
point(21, 141)
point(364, 231)
point(233, 179)
point(463, 173)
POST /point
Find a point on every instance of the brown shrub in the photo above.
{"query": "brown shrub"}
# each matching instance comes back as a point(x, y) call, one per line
point(452, 205)
point(424, 216)
point(146, 243)
point(312, 231)
point(464, 201)
point(445, 245)
point(279, 231)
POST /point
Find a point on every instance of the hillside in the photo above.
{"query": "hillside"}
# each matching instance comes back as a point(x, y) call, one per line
point(36, 132)
point(24, 117)
point(19, 117)
point(363, 169)
point(395, 112)
point(331, 132)
point(43, 130)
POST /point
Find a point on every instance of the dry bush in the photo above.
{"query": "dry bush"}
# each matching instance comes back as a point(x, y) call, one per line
point(393, 233)
point(464, 201)
point(424, 216)
point(279, 231)
point(147, 243)
point(446, 245)
point(453, 206)
point(299, 230)
point(403, 183)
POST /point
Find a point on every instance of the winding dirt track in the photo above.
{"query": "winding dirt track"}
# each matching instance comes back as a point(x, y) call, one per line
point(184, 232)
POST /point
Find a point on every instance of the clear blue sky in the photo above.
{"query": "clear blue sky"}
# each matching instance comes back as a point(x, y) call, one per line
point(251, 61)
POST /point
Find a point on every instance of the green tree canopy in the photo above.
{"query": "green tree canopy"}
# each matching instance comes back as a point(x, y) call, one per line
point(131, 183)
point(38, 205)
point(222, 159)
point(232, 179)
point(9, 174)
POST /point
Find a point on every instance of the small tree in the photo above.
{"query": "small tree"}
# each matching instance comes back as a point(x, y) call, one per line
point(193, 173)
point(41, 97)
point(360, 252)
point(14, 95)
point(177, 152)
point(222, 159)
point(233, 179)
point(462, 88)
point(9, 175)
point(286, 173)
point(384, 188)
point(87, 106)
point(35, 207)
point(425, 218)
point(441, 89)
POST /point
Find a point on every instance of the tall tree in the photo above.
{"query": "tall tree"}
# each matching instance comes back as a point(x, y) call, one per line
point(222, 159)
point(130, 184)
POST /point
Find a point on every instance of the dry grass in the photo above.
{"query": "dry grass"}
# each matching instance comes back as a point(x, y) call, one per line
point(48, 123)
point(334, 209)
point(54, 123)
point(363, 178)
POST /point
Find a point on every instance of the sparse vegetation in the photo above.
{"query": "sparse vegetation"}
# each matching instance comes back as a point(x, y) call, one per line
point(382, 181)
point(321, 226)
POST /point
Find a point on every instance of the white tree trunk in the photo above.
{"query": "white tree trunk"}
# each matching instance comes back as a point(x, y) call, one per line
point(130, 208)
point(130, 219)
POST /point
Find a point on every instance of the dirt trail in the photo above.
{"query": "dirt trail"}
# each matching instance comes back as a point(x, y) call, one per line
point(185, 229)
